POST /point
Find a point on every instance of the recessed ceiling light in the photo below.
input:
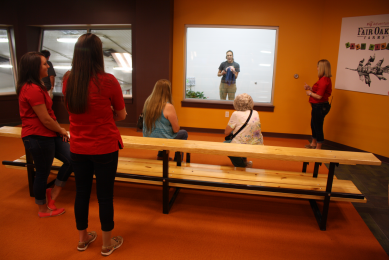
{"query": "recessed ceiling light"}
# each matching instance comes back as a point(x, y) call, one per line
point(62, 67)
point(69, 40)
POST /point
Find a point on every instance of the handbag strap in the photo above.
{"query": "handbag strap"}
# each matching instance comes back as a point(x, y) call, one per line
point(243, 126)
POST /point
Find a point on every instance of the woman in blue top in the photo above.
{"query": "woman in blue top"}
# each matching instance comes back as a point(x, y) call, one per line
point(159, 116)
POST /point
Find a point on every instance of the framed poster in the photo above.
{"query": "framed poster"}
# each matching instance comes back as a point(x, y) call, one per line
point(363, 60)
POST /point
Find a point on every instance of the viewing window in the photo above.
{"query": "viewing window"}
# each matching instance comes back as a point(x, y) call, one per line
point(117, 51)
point(7, 70)
point(253, 52)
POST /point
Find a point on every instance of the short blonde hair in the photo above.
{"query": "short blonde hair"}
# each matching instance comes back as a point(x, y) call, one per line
point(324, 68)
point(243, 102)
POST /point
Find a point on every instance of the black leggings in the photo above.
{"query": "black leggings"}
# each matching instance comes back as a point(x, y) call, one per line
point(319, 111)
point(104, 166)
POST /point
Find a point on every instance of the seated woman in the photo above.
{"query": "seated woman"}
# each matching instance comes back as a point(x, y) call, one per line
point(249, 134)
point(42, 136)
point(159, 116)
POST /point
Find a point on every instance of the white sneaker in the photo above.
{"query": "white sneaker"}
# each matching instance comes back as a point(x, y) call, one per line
point(249, 164)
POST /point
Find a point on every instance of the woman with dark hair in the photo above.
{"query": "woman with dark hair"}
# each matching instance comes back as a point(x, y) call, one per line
point(318, 97)
point(89, 93)
point(42, 136)
point(160, 118)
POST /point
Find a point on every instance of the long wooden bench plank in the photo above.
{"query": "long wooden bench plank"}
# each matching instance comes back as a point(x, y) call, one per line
point(229, 175)
point(292, 181)
point(252, 151)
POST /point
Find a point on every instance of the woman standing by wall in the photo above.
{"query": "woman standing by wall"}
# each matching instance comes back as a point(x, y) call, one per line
point(95, 140)
point(41, 133)
point(318, 97)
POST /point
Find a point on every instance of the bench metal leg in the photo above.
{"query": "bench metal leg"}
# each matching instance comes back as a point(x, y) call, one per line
point(174, 197)
point(167, 204)
point(305, 166)
point(322, 217)
point(165, 185)
point(316, 169)
point(188, 157)
point(30, 172)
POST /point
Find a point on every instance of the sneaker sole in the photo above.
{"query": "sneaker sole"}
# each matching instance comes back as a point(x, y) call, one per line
point(110, 252)
point(52, 215)
point(84, 248)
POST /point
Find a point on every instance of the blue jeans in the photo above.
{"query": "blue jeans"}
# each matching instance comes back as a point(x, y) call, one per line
point(44, 150)
point(181, 135)
point(319, 111)
point(104, 166)
point(237, 161)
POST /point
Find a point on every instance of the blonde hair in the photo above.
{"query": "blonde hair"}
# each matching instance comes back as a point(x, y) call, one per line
point(156, 102)
point(324, 68)
point(243, 102)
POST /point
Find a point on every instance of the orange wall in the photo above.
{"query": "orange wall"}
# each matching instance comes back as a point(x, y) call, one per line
point(356, 119)
point(304, 31)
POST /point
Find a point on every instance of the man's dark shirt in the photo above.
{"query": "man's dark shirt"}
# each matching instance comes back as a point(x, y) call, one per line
point(46, 80)
point(225, 65)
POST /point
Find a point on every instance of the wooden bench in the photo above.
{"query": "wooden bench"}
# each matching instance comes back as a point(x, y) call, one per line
point(231, 179)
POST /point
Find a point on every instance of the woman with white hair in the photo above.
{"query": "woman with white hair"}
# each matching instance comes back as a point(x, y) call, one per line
point(244, 127)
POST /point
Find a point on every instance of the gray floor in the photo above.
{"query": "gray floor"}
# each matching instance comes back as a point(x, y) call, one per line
point(373, 182)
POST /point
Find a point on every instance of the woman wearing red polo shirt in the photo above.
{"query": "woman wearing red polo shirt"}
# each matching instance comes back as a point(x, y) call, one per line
point(319, 94)
point(41, 133)
point(95, 140)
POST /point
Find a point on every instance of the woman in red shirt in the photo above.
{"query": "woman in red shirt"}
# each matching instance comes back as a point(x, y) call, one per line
point(42, 136)
point(89, 94)
point(319, 94)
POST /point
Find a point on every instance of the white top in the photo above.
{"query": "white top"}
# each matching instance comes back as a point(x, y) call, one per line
point(251, 134)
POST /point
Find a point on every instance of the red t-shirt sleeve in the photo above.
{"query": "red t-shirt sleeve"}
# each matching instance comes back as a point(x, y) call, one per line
point(35, 96)
point(117, 99)
point(321, 87)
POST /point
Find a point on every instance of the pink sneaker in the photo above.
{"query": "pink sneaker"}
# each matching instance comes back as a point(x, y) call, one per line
point(53, 213)
point(50, 202)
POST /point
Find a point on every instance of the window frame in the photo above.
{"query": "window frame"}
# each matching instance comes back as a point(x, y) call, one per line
point(11, 40)
point(225, 104)
point(88, 28)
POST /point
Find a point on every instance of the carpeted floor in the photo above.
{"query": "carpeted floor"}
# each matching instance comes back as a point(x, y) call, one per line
point(201, 224)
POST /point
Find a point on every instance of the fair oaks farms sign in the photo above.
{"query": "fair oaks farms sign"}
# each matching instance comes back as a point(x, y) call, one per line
point(363, 60)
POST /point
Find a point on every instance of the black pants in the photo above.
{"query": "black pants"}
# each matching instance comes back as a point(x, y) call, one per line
point(104, 166)
point(319, 111)
point(44, 150)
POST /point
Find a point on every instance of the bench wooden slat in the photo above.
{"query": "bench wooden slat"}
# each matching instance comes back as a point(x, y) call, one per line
point(240, 150)
point(268, 178)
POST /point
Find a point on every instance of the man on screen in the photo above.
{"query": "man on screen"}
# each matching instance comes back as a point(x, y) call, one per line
point(229, 71)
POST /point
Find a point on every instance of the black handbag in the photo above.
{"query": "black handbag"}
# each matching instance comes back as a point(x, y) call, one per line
point(231, 135)
point(139, 124)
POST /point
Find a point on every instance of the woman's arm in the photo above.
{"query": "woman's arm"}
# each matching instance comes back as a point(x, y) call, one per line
point(170, 113)
point(228, 130)
point(47, 121)
point(119, 115)
point(314, 95)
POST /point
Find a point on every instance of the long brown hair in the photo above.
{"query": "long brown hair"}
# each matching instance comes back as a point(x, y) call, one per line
point(324, 68)
point(155, 103)
point(87, 63)
point(29, 71)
